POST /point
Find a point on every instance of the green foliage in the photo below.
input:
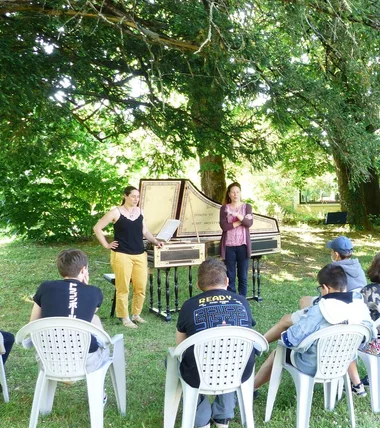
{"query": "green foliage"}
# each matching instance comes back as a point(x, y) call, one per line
point(276, 193)
point(324, 91)
point(187, 75)
point(375, 220)
point(51, 190)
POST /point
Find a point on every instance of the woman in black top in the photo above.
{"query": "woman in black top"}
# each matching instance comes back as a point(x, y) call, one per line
point(128, 257)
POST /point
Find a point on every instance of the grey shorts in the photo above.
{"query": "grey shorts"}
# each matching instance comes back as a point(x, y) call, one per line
point(96, 359)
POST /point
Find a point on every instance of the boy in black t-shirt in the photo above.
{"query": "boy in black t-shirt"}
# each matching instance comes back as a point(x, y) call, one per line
point(215, 307)
point(72, 297)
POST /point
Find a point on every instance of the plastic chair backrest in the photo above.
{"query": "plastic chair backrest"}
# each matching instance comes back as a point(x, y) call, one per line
point(336, 348)
point(62, 344)
point(2, 349)
point(222, 354)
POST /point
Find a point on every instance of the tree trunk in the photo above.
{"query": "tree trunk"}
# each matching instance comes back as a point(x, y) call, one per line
point(371, 193)
point(206, 100)
point(213, 180)
point(352, 195)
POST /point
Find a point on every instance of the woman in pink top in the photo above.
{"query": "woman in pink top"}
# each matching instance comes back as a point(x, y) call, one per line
point(235, 245)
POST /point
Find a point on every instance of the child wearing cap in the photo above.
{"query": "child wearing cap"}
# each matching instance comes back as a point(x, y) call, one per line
point(336, 306)
point(341, 255)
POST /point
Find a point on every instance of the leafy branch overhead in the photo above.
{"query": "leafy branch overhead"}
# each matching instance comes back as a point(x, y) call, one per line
point(88, 84)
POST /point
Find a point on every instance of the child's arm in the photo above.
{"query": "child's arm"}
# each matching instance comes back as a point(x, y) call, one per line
point(308, 324)
point(36, 313)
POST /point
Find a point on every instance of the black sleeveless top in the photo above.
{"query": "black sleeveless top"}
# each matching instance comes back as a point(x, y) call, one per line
point(129, 235)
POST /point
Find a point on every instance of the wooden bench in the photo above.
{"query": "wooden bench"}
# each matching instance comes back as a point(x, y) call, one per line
point(339, 217)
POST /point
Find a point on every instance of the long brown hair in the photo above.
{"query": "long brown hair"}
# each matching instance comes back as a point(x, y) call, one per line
point(127, 191)
point(227, 198)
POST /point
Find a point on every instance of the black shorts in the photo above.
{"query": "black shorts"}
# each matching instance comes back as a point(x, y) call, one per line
point(287, 357)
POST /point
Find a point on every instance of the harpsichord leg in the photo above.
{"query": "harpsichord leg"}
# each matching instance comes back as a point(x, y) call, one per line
point(176, 288)
point(190, 282)
point(256, 277)
point(167, 294)
point(150, 290)
point(159, 304)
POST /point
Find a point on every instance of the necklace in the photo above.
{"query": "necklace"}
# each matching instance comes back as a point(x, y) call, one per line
point(130, 214)
point(237, 206)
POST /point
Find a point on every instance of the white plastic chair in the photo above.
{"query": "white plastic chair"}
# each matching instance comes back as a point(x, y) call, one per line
point(3, 379)
point(221, 356)
point(337, 346)
point(372, 364)
point(62, 345)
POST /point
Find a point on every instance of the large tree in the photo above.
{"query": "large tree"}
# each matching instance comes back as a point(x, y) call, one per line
point(200, 65)
point(323, 87)
point(92, 52)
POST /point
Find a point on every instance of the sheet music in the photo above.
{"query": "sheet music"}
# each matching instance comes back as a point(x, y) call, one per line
point(168, 229)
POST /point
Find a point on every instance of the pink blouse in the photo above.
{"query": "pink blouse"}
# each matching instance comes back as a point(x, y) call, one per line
point(237, 235)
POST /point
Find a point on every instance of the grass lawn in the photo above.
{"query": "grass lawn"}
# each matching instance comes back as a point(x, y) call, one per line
point(285, 278)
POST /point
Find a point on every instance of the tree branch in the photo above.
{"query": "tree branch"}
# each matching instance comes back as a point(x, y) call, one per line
point(125, 22)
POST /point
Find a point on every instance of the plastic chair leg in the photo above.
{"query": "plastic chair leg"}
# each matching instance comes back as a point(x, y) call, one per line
point(340, 389)
point(304, 387)
point(330, 392)
point(245, 396)
point(3, 381)
point(95, 391)
point(38, 394)
point(374, 385)
point(275, 379)
point(173, 392)
point(190, 401)
point(350, 403)
point(118, 377)
point(372, 365)
point(47, 397)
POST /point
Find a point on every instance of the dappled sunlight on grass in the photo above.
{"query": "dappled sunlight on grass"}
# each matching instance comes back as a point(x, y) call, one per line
point(310, 238)
point(285, 278)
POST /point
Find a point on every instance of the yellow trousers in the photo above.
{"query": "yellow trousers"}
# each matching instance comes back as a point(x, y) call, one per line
point(127, 267)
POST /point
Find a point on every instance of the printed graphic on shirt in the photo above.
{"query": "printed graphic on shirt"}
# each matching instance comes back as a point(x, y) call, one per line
point(73, 299)
point(219, 315)
point(209, 299)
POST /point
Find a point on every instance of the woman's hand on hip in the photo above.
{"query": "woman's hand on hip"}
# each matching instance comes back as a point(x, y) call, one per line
point(112, 245)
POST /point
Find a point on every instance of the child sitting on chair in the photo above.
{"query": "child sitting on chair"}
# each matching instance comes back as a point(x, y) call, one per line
point(336, 306)
point(72, 297)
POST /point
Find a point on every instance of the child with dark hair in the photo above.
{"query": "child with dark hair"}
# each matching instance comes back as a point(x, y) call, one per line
point(335, 306)
point(371, 295)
